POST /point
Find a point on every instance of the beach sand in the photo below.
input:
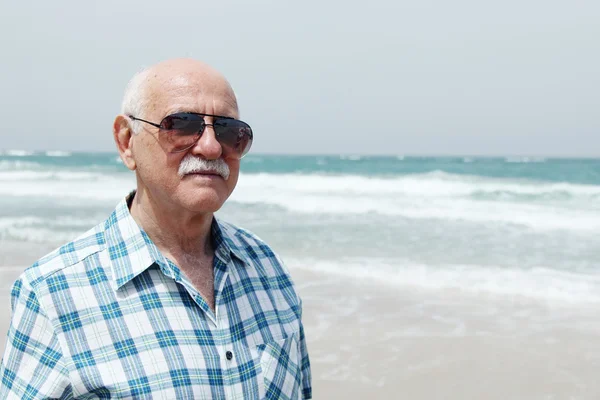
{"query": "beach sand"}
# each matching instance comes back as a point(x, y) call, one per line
point(372, 342)
point(380, 342)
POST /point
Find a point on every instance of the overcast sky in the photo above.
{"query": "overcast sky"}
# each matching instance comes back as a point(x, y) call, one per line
point(469, 77)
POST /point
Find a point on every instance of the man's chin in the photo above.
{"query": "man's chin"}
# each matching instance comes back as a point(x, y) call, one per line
point(203, 200)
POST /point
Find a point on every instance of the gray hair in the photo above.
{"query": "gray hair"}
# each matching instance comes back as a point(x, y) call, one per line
point(135, 101)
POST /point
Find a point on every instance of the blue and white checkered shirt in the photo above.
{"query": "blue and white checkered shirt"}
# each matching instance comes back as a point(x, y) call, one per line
point(108, 316)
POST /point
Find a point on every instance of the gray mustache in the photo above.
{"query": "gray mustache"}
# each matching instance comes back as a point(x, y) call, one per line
point(191, 164)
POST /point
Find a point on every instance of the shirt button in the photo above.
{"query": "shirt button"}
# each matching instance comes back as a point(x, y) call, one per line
point(229, 355)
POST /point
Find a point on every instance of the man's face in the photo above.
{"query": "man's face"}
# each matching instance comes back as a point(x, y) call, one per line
point(157, 169)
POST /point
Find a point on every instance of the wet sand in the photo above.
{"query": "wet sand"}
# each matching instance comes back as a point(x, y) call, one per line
point(372, 342)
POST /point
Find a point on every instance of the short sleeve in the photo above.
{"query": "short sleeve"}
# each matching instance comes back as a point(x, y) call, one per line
point(305, 362)
point(33, 365)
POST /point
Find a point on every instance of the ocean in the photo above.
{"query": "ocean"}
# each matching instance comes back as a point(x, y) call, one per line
point(506, 226)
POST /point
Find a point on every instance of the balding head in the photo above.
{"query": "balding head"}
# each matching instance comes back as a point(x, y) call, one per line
point(148, 90)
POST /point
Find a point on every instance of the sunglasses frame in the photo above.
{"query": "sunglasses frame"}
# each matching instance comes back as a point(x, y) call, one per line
point(216, 117)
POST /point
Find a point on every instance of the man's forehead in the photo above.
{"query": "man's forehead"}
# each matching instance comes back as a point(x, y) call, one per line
point(188, 93)
point(223, 109)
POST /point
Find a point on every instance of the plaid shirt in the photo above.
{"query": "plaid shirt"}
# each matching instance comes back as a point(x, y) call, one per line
point(108, 316)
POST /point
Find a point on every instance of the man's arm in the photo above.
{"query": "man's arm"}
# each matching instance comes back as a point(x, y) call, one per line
point(305, 363)
point(32, 366)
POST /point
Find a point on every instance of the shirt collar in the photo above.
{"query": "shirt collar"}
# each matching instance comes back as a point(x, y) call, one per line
point(131, 251)
point(224, 242)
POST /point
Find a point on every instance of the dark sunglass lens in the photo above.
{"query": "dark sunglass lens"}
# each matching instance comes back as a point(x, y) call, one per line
point(182, 129)
point(235, 136)
point(185, 123)
point(167, 122)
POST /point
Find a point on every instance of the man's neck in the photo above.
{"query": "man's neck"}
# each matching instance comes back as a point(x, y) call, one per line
point(183, 237)
point(176, 234)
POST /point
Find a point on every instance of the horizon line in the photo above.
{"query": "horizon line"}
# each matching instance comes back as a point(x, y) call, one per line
point(23, 152)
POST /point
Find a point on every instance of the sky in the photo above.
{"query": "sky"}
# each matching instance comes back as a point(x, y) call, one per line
point(425, 77)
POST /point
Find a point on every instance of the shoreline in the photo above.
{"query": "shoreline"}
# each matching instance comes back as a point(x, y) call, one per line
point(426, 345)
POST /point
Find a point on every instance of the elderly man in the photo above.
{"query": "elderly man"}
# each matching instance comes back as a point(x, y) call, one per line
point(162, 300)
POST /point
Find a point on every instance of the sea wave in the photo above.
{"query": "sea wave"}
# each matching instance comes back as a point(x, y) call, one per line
point(18, 153)
point(540, 283)
point(38, 235)
point(57, 153)
point(351, 157)
point(525, 160)
point(434, 184)
point(26, 168)
point(431, 184)
point(64, 184)
point(50, 176)
point(44, 230)
point(436, 195)
point(19, 165)
point(59, 221)
point(429, 196)
point(536, 217)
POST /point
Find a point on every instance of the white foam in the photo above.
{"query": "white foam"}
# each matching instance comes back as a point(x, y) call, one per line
point(18, 165)
point(33, 221)
point(70, 185)
point(37, 229)
point(39, 235)
point(19, 153)
point(351, 157)
point(432, 184)
point(540, 283)
point(427, 196)
point(436, 195)
point(43, 176)
point(525, 160)
point(57, 153)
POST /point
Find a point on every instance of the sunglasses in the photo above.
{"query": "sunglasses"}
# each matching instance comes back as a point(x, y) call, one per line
point(183, 130)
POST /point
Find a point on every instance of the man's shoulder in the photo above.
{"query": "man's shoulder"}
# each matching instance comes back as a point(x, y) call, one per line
point(240, 236)
point(66, 257)
point(259, 256)
point(251, 249)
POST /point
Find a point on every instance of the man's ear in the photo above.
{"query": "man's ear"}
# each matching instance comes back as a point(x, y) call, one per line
point(124, 141)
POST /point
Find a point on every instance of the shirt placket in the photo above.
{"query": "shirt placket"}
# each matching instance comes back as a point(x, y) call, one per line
point(227, 354)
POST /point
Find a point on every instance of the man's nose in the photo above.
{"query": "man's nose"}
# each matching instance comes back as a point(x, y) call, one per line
point(208, 146)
